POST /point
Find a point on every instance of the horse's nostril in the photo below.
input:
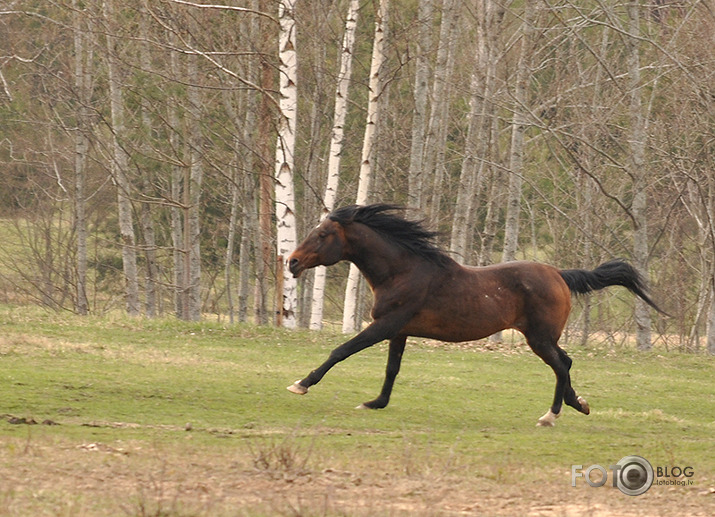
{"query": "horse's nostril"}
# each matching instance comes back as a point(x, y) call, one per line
point(294, 267)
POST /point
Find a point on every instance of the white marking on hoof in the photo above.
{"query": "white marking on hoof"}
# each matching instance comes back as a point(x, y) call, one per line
point(362, 406)
point(586, 409)
point(548, 420)
point(297, 388)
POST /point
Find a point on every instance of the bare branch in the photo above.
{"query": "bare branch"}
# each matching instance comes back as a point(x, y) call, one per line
point(226, 8)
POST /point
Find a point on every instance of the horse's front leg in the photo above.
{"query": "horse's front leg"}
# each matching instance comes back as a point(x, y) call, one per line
point(377, 331)
point(394, 359)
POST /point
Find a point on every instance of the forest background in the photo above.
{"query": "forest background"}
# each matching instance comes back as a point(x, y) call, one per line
point(159, 156)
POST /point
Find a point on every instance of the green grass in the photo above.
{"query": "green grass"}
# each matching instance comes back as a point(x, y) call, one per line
point(118, 381)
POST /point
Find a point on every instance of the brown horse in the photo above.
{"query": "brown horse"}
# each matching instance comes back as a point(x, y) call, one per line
point(420, 291)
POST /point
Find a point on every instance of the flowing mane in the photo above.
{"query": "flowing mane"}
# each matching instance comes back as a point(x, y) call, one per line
point(409, 235)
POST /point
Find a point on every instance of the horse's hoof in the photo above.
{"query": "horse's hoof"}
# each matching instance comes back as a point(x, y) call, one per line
point(548, 420)
point(585, 408)
point(362, 406)
point(297, 388)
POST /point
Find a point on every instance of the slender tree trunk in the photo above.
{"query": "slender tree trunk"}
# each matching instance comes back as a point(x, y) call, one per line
point(588, 188)
point(439, 115)
point(488, 176)
point(241, 127)
point(587, 211)
point(494, 199)
point(146, 217)
point(710, 328)
point(419, 116)
point(248, 229)
point(285, 158)
point(637, 141)
point(470, 183)
point(120, 167)
point(709, 205)
point(192, 192)
point(177, 174)
point(313, 176)
point(177, 227)
point(519, 124)
point(474, 164)
point(83, 78)
point(152, 268)
point(336, 151)
point(350, 316)
point(231, 237)
point(265, 173)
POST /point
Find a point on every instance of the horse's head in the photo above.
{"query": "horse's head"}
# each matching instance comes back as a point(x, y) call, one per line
point(324, 246)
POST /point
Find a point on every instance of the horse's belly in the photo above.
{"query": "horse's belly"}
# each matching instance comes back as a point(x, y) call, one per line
point(453, 327)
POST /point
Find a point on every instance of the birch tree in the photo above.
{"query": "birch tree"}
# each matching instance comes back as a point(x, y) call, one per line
point(241, 108)
point(285, 159)
point(350, 317)
point(192, 189)
point(83, 85)
point(146, 217)
point(519, 124)
point(637, 170)
point(120, 164)
point(180, 288)
point(419, 116)
point(336, 150)
point(475, 164)
point(436, 138)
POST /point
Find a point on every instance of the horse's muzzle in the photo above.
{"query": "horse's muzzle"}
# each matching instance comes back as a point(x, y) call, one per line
point(295, 267)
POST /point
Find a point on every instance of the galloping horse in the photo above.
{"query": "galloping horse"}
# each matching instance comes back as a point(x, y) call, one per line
point(420, 291)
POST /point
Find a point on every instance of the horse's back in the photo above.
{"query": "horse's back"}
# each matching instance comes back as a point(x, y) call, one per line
point(468, 303)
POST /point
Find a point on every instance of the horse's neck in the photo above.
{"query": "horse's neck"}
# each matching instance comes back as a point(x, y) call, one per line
point(374, 256)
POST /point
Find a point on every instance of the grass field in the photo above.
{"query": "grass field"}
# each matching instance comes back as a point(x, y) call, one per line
point(116, 416)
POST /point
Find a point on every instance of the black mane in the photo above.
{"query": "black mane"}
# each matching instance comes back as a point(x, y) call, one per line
point(409, 235)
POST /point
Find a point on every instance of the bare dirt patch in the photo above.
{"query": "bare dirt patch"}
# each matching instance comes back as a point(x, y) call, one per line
point(65, 478)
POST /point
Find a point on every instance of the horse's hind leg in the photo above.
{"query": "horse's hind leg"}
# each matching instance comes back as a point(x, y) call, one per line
point(551, 357)
point(394, 359)
point(570, 397)
point(560, 363)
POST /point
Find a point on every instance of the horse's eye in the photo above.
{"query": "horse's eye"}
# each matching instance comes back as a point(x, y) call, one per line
point(322, 235)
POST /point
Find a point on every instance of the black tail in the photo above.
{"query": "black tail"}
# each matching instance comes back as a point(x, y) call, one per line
point(613, 272)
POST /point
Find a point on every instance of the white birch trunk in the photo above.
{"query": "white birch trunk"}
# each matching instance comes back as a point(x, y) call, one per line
point(192, 193)
point(241, 126)
point(83, 58)
point(249, 228)
point(710, 327)
point(471, 183)
point(120, 165)
point(419, 117)
point(176, 224)
point(475, 166)
point(436, 138)
point(335, 153)
point(516, 155)
point(637, 141)
point(231, 238)
point(350, 323)
point(151, 288)
point(284, 164)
